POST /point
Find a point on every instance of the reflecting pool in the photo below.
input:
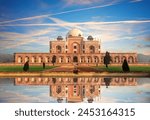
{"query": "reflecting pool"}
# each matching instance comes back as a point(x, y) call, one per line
point(75, 89)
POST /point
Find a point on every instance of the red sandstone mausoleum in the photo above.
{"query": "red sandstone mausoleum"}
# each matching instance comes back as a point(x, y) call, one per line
point(74, 49)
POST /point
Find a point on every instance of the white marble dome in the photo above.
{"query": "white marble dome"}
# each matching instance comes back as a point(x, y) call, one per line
point(75, 32)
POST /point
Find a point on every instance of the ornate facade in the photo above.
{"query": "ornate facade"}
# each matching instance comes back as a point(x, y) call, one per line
point(74, 49)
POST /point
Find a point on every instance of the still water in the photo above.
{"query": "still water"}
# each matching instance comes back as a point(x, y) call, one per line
point(75, 89)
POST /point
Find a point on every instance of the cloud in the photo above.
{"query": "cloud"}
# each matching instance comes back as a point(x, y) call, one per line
point(24, 19)
point(63, 23)
point(83, 9)
point(81, 2)
point(59, 13)
point(147, 39)
point(106, 31)
point(91, 2)
point(28, 34)
point(133, 1)
point(16, 96)
point(143, 46)
point(147, 46)
point(11, 40)
point(145, 52)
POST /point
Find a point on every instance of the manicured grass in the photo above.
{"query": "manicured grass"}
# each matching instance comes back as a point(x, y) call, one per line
point(119, 68)
point(140, 68)
point(97, 69)
point(20, 68)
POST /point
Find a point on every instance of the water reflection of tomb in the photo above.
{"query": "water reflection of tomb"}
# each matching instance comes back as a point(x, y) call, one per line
point(75, 89)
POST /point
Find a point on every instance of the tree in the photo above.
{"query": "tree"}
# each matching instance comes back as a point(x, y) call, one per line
point(58, 89)
point(26, 66)
point(54, 80)
point(43, 65)
point(125, 66)
point(107, 81)
point(107, 59)
point(53, 59)
point(75, 80)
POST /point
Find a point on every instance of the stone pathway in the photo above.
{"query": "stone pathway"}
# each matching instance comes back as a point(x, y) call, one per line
point(61, 69)
point(70, 69)
point(87, 69)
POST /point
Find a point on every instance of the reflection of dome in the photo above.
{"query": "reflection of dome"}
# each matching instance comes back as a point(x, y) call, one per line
point(75, 32)
point(90, 100)
point(59, 100)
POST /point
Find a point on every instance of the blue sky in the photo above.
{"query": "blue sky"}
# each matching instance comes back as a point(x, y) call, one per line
point(29, 25)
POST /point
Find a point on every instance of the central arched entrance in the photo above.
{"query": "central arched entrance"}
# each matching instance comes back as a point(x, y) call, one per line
point(75, 59)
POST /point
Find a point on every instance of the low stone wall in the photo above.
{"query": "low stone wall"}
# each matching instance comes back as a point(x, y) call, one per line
point(7, 64)
point(80, 64)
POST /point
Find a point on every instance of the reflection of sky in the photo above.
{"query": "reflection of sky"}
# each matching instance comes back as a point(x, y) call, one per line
point(11, 93)
point(139, 93)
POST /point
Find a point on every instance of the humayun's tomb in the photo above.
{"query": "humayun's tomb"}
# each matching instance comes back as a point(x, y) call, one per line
point(74, 49)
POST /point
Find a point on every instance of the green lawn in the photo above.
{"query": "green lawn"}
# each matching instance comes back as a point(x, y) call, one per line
point(99, 68)
point(119, 68)
point(20, 68)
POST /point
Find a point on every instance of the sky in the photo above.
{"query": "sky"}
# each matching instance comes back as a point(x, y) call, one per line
point(29, 25)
